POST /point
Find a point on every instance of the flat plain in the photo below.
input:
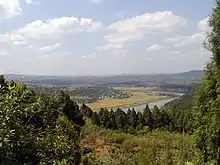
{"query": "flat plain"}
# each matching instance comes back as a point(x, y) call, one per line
point(140, 95)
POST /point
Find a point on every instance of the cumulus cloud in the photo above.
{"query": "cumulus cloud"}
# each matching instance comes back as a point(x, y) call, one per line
point(203, 25)
point(38, 40)
point(49, 48)
point(53, 28)
point(136, 28)
point(9, 8)
point(195, 40)
point(37, 33)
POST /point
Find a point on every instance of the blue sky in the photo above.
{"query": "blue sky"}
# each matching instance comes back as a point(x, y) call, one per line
point(100, 37)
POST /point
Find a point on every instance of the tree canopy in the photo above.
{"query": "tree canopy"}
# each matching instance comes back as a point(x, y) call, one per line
point(207, 99)
point(36, 128)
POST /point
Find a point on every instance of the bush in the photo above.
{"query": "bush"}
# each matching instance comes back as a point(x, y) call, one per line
point(117, 138)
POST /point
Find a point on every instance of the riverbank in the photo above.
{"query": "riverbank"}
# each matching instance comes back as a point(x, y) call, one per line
point(139, 106)
point(125, 107)
point(137, 99)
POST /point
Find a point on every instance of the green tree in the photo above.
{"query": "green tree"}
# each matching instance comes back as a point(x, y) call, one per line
point(104, 117)
point(112, 121)
point(2, 79)
point(157, 120)
point(121, 119)
point(36, 128)
point(86, 111)
point(207, 99)
point(148, 119)
point(132, 118)
point(140, 121)
point(96, 118)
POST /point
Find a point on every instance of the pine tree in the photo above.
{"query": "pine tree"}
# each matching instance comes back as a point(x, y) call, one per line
point(112, 122)
point(121, 119)
point(156, 117)
point(2, 79)
point(208, 97)
point(86, 111)
point(147, 115)
point(134, 119)
point(140, 121)
point(95, 118)
point(104, 117)
point(129, 117)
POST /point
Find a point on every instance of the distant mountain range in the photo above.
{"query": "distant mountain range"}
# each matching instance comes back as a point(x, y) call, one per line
point(177, 78)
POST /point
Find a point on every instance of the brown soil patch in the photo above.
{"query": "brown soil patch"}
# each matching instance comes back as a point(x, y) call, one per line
point(100, 146)
point(136, 148)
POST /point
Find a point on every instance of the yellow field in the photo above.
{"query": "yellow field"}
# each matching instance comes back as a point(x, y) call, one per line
point(134, 89)
point(137, 98)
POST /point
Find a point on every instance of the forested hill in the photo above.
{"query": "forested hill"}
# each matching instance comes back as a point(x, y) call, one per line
point(184, 102)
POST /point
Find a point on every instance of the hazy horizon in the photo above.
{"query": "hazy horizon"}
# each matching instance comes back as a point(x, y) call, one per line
point(106, 75)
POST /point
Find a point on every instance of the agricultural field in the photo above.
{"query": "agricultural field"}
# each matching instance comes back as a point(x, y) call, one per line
point(135, 99)
point(135, 89)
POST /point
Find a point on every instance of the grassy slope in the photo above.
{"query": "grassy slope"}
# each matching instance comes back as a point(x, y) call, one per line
point(156, 148)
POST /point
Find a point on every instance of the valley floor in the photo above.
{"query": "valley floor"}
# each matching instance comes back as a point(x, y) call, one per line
point(137, 99)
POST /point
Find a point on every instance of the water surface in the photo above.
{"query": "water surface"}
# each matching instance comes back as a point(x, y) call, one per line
point(159, 104)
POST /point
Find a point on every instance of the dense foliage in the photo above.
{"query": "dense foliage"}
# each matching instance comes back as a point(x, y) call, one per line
point(207, 100)
point(50, 129)
point(184, 102)
point(37, 129)
point(112, 147)
point(148, 120)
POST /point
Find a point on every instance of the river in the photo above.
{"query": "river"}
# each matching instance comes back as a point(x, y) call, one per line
point(159, 104)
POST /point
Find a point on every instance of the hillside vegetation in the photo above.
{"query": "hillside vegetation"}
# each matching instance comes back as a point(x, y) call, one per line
point(42, 129)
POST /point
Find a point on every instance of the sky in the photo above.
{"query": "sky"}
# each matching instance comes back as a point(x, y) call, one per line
point(103, 37)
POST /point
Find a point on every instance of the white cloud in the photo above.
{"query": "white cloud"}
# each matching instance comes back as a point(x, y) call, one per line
point(193, 40)
point(15, 39)
point(90, 56)
point(107, 47)
point(149, 22)
point(186, 51)
point(50, 48)
point(9, 8)
point(136, 28)
point(204, 25)
point(4, 53)
point(155, 47)
point(31, 2)
point(53, 28)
